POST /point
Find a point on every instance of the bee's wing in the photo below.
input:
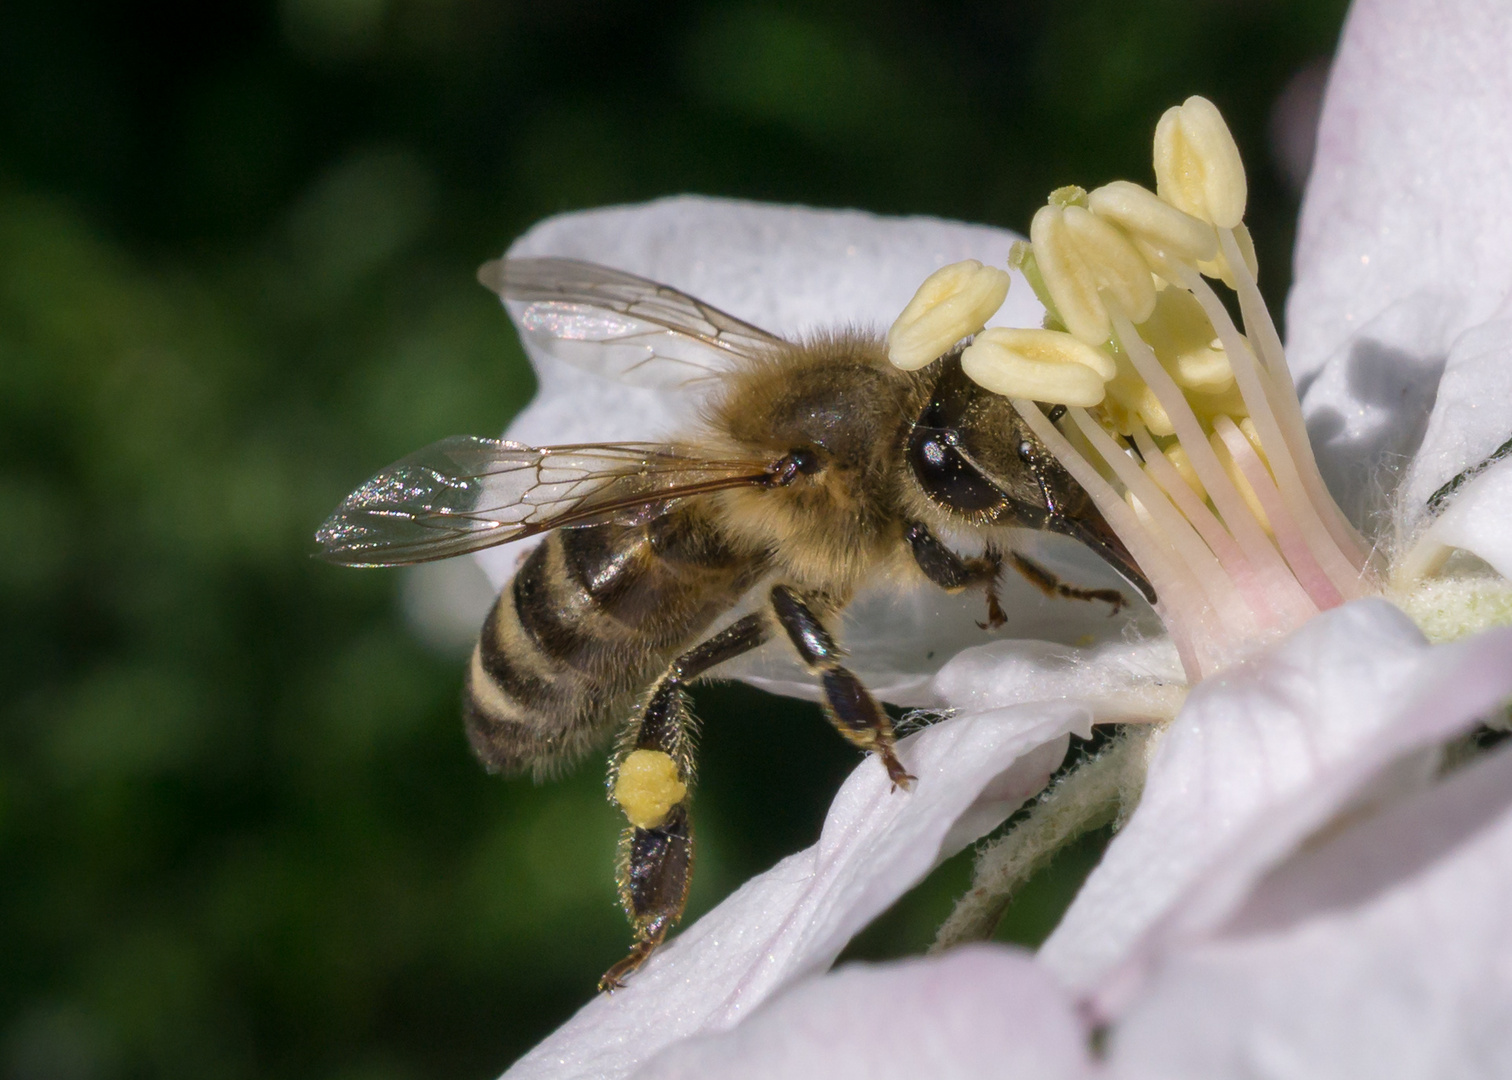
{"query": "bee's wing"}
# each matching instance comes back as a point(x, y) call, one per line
point(623, 326)
point(463, 494)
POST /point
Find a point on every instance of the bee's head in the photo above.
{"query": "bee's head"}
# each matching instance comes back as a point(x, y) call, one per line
point(969, 453)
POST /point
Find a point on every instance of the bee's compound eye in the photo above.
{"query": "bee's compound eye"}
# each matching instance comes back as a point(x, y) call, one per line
point(804, 460)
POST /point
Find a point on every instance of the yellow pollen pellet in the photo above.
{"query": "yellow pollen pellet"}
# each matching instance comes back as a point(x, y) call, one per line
point(648, 787)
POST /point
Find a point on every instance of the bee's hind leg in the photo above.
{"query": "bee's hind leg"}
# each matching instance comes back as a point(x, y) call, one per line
point(953, 572)
point(847, 703)
point(652, 780)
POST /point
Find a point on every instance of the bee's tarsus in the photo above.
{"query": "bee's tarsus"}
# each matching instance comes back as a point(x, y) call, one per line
point(614, 978)
point(900, 777)
point(1047, 583)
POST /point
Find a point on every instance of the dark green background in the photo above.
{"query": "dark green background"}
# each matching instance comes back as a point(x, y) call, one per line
point(240, 832)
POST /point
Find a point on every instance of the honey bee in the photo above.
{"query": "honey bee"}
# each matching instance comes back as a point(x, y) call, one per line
point(816, 466)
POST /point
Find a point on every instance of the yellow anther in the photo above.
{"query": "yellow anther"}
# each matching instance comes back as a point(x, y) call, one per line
point(1070, 195)
point(648, 787)
point(1150, 220)
point(1197, 165)
point(1218, 266)
point(954, 302)
point(1182, 338)
point(1080, 255)
point(1153, 415)
point(1041, 365)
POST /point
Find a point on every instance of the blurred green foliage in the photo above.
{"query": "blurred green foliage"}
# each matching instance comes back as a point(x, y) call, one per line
point(240, 832)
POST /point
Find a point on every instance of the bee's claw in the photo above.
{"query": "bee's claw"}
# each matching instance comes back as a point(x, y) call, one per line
point(614, 978)
point(900, 777)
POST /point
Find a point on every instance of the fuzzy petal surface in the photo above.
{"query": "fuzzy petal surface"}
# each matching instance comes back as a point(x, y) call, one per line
point(1119, 681)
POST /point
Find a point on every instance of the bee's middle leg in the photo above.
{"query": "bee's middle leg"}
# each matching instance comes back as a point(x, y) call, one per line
point(953, 572)
point(652, 778)
point(847, 703)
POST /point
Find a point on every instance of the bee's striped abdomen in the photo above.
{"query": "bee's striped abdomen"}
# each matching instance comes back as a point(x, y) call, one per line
point(589, 621)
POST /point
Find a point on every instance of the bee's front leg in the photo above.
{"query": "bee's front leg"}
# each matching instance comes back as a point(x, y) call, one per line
point(953, 572)
point(847, 703)
point(652, 779)
point(1047, 583)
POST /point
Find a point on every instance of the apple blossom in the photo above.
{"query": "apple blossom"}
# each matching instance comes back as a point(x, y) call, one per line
point(1305, 887)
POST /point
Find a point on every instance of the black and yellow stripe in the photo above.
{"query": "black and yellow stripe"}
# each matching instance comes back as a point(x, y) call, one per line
point(591, 619)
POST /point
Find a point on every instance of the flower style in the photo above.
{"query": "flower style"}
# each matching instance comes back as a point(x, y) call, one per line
point(1307, 888)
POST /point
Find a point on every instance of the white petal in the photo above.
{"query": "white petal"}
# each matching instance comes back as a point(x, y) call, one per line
point(1479, 520)
point(787, 269)
point(1385, 952)
point(793, 920)
point(1451, 688)
point(1247, 740)
point(979, 1011)
point(1117, 680)
point(1471, 418)
point(1401, 247)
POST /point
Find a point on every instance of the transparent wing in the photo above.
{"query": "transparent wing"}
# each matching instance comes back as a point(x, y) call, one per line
point(463, 494)
point(623, 326)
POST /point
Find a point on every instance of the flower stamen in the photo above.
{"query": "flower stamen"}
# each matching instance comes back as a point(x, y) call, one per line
point(1222, 506)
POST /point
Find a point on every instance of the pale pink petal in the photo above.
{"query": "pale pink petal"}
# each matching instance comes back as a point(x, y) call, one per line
point(1471, 417)
point(793, 920)
point(980, 1011)
point(1248, 740)
point(1399, 250)
point(1383, 952)
point(1449, 689)
point(1479, 519)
